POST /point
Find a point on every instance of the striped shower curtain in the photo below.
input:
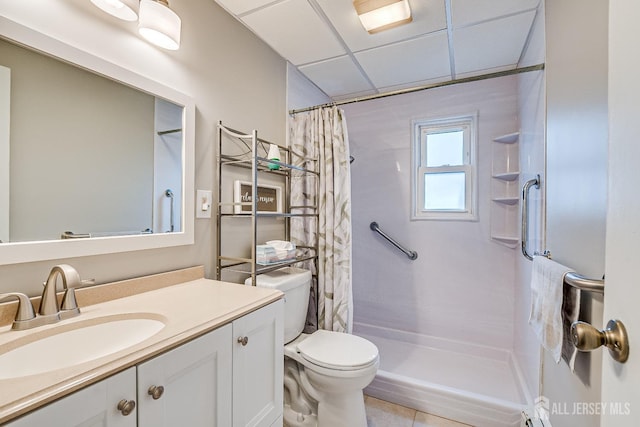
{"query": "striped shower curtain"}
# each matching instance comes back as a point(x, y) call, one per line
point(319, 141)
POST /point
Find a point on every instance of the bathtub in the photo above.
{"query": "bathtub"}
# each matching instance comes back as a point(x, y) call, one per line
point(472, 384)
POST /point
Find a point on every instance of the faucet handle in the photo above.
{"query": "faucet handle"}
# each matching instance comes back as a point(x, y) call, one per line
point(25, 315)
point(69, 307)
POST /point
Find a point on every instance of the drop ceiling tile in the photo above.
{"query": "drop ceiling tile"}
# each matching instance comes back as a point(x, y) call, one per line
point(294, 30)
point(428, 16)
point(424, 58)
point(238, 7)
point(466, 12)
point(336, 77)
point(492, 44)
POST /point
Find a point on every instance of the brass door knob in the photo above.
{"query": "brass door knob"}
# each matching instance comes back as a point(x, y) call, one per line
point(155, 392)
point(243, 340)
point(586, 338)
point(126, 406)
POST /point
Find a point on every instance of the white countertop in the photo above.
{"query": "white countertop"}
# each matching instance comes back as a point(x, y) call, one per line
point(188, 310)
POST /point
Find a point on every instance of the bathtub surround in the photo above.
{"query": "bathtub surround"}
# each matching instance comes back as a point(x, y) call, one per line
point(458, 296)
point(322, 134)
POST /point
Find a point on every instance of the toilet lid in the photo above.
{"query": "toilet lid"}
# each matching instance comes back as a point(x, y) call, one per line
point(337, 350)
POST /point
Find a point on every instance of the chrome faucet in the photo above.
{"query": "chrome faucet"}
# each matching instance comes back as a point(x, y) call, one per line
point(49, 308)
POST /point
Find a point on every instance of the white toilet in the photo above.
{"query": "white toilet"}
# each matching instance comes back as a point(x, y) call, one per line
point(325, 372)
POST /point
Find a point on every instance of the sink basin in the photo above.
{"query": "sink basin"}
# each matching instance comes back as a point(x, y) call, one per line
point(68, 345)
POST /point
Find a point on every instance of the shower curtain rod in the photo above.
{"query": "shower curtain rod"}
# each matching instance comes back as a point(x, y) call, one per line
point(537, 67)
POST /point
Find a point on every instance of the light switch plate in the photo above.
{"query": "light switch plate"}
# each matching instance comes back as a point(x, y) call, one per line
point(203, 203)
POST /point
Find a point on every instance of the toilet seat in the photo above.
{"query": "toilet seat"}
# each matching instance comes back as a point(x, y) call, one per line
point(337, 350)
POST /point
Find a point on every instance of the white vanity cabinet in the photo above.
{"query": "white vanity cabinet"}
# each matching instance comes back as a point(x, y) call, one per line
point(258, 364)
point(93, 406)
point(189, 385)
point(231, 376)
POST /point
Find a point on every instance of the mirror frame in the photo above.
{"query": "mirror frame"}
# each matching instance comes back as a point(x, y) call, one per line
point(22, 252)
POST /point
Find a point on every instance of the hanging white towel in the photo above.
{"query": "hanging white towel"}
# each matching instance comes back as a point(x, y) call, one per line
point(547, 280)
point(570, 313)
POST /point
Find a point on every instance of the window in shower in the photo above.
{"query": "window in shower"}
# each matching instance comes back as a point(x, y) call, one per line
point(444, 183)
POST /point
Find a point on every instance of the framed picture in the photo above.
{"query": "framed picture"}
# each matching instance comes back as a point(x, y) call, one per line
point(269, 197)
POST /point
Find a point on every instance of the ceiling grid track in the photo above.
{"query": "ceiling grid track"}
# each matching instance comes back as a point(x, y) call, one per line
point(452, 62)
point(316, 7)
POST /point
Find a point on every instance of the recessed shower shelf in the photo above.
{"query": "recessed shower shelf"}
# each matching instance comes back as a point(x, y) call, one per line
point(507, 200)
point(504, 189)
point(511, 242)
point(510, 138)
point(507, 176)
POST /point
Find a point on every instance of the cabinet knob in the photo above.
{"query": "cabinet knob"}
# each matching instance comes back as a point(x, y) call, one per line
point(243, 340)
point(156, 391)
point(126, 406)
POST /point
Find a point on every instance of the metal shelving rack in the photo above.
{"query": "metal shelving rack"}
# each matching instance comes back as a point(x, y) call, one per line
point(259, 165)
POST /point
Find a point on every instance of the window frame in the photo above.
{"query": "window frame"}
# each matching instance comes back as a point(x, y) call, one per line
point(420, 129)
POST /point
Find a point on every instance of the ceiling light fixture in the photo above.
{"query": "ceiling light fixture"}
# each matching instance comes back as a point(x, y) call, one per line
point(159, 24)
point(380, 15)
point(126, 10)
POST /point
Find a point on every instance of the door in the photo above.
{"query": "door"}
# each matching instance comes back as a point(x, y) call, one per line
point(258, 364)
point(93, 406)
point(189, 385)
point(621, 382)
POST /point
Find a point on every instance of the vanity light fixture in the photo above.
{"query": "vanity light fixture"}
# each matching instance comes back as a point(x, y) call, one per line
point(159, 24)
point(380, 15)
point(126, 10)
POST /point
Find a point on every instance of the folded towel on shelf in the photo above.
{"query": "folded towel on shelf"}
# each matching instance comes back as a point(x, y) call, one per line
point(570, 313)
point(547, 281)
point(275, 251)
point(283, 248)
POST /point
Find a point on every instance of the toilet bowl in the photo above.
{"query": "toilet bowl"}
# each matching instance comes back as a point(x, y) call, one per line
point(325, 372)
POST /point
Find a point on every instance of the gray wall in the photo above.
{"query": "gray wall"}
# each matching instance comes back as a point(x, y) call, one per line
point(231, 75)
point(576, 78)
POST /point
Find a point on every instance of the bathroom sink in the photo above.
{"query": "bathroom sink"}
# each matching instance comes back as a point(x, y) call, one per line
point(68, 345)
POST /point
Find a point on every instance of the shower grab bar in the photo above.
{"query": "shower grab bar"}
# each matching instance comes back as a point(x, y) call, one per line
point(168, 193)
point(413, 255)
point(535, 182)
point(572, 279)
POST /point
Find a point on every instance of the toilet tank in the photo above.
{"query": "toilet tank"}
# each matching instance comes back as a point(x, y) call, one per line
point(295, 283)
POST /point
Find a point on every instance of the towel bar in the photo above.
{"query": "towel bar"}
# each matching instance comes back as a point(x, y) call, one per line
point(584, 284)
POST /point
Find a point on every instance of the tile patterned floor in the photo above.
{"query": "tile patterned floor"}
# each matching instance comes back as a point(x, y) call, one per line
point(385, 414)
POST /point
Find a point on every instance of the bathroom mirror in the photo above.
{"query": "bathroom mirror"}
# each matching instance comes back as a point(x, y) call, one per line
point(94, 158)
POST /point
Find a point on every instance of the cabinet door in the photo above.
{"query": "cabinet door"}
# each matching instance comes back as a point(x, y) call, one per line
point(93, 406)
point(258, 366)
point(196, 382)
